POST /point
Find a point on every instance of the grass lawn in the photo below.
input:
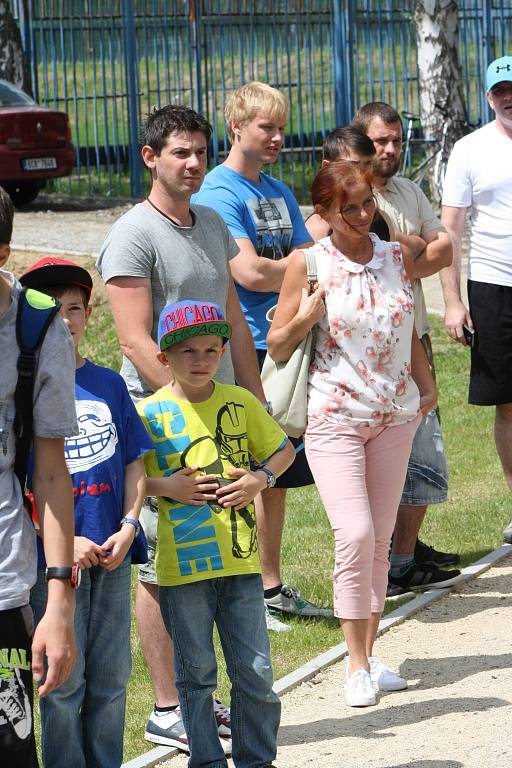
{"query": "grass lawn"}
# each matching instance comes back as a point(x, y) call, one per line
point(470, 523)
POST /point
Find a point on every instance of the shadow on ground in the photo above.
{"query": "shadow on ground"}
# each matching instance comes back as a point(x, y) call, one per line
point(384, 723)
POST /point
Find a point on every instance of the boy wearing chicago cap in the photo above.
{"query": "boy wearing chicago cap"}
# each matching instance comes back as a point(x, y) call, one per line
point(207, 563)
point(82, 723)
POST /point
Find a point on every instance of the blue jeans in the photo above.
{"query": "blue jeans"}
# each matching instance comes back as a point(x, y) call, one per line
point(426, 481)
point(235, 605)
point(82, 722)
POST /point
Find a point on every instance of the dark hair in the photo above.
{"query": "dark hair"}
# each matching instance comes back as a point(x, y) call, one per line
point(345, 138)
point(368, 112)
point(332, 183)
point(171, 119)
point(57, 291)
point(6, 217)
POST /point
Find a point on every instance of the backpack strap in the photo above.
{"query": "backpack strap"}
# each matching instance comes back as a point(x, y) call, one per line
point(35, 313)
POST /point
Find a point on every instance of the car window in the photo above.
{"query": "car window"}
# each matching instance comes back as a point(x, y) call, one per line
point(10, 96)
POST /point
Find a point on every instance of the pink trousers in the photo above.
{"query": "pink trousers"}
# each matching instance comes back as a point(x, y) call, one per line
point(360, 473)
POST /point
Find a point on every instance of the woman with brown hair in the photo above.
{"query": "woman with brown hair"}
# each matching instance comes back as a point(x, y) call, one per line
point(369, 383)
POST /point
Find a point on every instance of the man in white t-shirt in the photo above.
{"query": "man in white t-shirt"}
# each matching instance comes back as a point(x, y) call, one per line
point(479, 176)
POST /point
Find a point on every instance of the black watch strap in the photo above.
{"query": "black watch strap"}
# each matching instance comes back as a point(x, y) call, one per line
point(59, 573)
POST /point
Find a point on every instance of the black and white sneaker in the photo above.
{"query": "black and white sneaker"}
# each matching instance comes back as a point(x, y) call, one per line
point(425, 555)
point(167, 728)
point(421, 577)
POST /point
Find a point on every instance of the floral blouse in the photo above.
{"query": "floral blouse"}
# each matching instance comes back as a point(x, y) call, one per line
point(361, 369)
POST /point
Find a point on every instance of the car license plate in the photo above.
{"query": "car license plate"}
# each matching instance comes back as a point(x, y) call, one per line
point(39, 163)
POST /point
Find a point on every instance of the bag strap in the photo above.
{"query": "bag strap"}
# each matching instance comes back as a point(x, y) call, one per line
point(312, 276)
point(35, 313)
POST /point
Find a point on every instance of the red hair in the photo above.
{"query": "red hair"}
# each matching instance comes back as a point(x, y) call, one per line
point(332, 183)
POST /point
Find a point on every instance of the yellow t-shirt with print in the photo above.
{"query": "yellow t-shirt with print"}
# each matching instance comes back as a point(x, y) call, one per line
point(197, 543)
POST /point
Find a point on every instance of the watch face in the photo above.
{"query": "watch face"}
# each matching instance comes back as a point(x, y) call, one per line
point(76, 576)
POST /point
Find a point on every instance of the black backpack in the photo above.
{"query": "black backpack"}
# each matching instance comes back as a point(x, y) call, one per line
point(35, 313)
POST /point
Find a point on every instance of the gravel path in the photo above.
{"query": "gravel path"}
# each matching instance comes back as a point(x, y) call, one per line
point(456, 712)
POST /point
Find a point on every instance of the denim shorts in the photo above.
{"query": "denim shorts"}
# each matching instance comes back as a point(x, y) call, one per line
point(426, 481)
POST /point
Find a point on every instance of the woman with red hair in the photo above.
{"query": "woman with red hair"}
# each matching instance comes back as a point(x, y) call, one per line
point(369, 383)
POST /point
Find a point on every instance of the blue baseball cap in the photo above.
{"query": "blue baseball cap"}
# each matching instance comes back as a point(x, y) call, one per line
point(499, 71)
point(183, 319)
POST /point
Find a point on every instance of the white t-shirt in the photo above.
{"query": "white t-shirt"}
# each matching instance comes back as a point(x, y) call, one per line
point(479, 175)
point(361, 370)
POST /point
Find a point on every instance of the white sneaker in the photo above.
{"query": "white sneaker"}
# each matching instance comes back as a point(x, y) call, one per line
point(383, 678)
point(359, 690)
point(273, 624)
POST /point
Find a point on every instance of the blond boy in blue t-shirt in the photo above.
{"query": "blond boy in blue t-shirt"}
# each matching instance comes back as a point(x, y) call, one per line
point(207, 562)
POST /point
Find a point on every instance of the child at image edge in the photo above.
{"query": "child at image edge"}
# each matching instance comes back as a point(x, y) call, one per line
point(207, 563)
point(82, 722)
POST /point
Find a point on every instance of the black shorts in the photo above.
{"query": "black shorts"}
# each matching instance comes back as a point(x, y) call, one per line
point(299, 473)
point(17, 745)
point(490, 307)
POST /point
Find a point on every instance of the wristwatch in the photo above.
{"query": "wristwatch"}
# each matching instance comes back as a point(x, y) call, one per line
point(73, 574)
point(268, 407)
point(131, 521)
point(271, 478)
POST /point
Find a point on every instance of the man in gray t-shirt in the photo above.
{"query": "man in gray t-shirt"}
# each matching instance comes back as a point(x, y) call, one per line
point(165, 250)
point(54, 418)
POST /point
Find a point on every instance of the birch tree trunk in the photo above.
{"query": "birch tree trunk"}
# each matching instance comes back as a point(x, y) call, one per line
point(13, 66)
point(440, 77)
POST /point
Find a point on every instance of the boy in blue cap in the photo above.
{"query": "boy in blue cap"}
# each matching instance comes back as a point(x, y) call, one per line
point(207, 563)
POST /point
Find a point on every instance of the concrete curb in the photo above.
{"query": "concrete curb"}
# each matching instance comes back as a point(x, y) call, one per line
point(338, 652)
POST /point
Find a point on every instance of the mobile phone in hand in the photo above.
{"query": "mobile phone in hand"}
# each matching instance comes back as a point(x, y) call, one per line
point(469, 335)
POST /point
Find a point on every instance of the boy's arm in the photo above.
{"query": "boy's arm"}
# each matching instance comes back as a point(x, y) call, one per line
point(120, 541)
point(53, 494)
point(256, 273)
point(185, 486)
point(243, 354)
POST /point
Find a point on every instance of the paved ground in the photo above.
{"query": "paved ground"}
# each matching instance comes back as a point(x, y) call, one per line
point(457, 657)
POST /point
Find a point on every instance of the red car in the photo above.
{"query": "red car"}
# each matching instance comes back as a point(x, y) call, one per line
point(35, 144)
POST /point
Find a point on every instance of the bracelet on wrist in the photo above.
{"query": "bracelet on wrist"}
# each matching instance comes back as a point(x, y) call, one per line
point(132, 522)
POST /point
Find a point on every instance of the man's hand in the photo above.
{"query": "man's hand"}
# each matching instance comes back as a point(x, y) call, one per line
point(86, 552)
point(116, 547)
point(428, 401)
point(243, 490)
point(456, 315)
point(54, 638)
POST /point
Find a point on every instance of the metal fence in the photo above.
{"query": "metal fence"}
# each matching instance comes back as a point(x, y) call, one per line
point(108, 62)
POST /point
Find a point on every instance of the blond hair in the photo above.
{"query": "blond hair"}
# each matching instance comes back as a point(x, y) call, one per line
point(243, 104)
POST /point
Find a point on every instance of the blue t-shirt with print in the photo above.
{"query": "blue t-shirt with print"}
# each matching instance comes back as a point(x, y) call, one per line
point(267, 214)
point(111, 435)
